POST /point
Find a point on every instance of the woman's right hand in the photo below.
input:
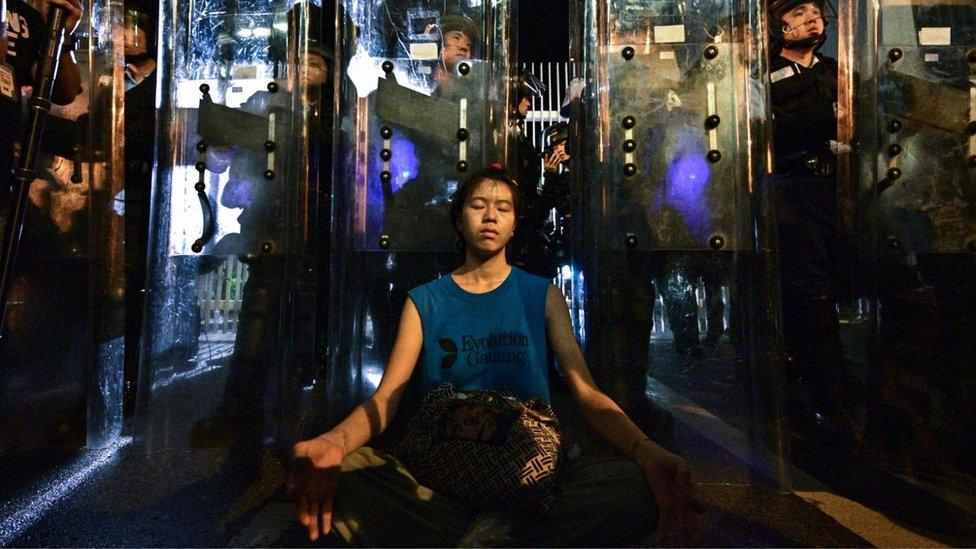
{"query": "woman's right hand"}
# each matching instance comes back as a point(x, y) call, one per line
point(312, 483)
point(668, 477)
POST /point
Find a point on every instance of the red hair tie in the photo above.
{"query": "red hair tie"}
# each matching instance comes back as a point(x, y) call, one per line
point(496, 166)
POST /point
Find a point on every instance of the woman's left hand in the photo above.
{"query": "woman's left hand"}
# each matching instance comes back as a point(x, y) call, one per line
point(669, 479)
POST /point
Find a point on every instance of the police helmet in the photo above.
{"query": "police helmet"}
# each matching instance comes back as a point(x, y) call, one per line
point(461, 23)
point(529, 85)
point(139, 19)
point(556, 134)
point(776, 9)
point(313, 34)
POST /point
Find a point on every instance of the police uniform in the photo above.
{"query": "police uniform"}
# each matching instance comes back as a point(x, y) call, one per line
point(804, 109)
point(804, 120)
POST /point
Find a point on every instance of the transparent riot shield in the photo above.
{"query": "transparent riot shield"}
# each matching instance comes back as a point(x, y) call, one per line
point(675, 254)
point(909, 330)
point(424, 101)
point(61, 349)
point(229, 326)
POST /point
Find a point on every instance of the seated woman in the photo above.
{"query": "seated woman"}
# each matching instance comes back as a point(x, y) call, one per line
point(370, 498)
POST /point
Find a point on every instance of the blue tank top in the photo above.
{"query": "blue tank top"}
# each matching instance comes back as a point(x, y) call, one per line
point(494, 340)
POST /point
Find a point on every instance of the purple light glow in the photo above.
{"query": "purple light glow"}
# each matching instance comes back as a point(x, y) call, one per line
point(238, 193)
point(685, 187)
point(403, 166)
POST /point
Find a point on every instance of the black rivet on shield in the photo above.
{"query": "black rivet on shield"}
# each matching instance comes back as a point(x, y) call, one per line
point(713, 121)
point(628, 53)
point(462, 134)
point(894, 149)
point(386, 132)
point(711, 52)
point(385, 241)
point(717, 242)
point(267, 246)
point(269, 145)
point(196, 247)
point(386, 154)
point(462, 166)
point(631, 241)
point(894, 173)
point(713, 156)
point(201, 166)
point(202, 146)
point(269, 174)
point(464, 68)
point(387, 67)
point(199, 187)
point(273, 87)
point(205, 88)
point(894, 243)
point(630, 145)
point(386, 176)
point(630, 169)
point(894, 54)
point(894, 126)
point(629, 122)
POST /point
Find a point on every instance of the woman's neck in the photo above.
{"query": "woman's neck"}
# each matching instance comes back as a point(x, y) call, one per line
point(804, 58)
point(484, 270)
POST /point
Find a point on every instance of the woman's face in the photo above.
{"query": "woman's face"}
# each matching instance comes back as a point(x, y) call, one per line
point(488, 218)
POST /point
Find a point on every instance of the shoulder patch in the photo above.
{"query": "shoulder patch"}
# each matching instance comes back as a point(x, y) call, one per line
point(782, 74)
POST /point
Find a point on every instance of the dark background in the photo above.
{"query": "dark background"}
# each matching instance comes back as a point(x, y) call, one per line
point(543, 30)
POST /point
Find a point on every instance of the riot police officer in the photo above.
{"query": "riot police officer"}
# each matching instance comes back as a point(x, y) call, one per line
point(242, 416)
point(416, 216)
point(804, 104)
point(140, 133)
point(459, 37)
point(544, 249)
point(527, 87)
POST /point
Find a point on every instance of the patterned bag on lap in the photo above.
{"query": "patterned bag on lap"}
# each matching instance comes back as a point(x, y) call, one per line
point(487, 449)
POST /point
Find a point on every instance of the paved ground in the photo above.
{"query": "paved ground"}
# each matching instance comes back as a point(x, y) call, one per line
point(167, 489)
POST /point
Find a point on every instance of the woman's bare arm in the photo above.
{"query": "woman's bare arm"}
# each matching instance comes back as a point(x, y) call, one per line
point(599, 410)
point(373, 416)
point(315, 474)
point(667, 474)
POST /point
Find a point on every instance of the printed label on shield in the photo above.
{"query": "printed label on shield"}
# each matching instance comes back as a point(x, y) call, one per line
point(669, 34)
point(423, 50)
point(935, 36)
point(7, 87)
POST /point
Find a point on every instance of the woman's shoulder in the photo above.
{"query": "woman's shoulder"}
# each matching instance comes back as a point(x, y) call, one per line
point(528, 280)
point(432, 287)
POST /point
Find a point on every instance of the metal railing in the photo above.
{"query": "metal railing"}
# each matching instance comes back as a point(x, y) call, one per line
point(221, 292)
